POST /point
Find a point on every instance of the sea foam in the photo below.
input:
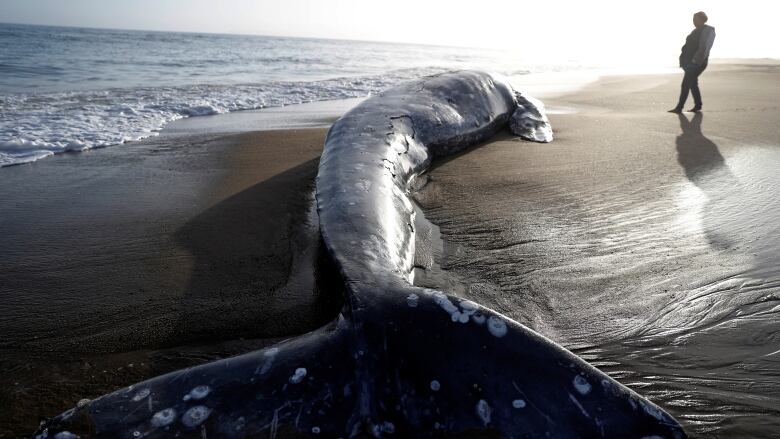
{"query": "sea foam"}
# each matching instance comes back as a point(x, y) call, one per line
point(37, 125)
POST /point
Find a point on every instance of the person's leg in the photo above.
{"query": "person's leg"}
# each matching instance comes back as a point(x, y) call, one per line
point(695, 88)
point(685, 87)
point(696, 92)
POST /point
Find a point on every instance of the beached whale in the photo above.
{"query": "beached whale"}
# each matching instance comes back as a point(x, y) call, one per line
point(399, 361)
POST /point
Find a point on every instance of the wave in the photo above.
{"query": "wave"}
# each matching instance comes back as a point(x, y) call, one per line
point(37, 125)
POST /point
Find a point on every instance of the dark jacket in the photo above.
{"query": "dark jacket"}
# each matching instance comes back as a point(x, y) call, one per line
point(697, 47)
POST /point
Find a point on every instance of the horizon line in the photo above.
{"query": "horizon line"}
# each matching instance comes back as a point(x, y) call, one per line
point(299, 37)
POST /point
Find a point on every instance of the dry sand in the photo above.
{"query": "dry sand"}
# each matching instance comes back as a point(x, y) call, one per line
point(645, 243)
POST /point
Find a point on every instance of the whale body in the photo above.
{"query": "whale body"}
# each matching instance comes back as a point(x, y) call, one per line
point(399, 360)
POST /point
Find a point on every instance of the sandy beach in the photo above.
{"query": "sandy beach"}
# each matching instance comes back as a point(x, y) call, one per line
point(645, 242)
point(124, 263)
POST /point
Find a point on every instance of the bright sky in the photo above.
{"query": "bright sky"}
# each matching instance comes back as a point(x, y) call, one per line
point(593, 30)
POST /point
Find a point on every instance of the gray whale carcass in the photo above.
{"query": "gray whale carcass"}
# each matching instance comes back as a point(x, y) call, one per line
point(399, 360)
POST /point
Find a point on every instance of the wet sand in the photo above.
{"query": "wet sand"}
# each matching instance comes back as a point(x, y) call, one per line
point(128, 262)
point(645, 242)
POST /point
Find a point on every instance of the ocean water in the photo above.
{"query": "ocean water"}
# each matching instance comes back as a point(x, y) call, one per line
point(70, 89)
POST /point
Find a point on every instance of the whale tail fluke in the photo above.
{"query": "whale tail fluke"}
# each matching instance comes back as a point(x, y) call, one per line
point(412, 363)
point(293, 389)
point(442, 365)
point(400, 360)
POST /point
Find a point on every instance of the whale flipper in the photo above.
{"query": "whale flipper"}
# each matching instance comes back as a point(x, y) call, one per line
point(529, 120)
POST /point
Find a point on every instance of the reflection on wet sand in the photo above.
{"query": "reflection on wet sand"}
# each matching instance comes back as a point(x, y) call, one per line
point(712, 348)
point(706, 168)
point(655, 260)
point(697, 154)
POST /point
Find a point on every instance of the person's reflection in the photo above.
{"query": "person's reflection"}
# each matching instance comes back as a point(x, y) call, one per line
point(706, 168)
point(697, 154)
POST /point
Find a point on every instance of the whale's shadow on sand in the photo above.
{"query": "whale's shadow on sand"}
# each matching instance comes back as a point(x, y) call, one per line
point(257, 268)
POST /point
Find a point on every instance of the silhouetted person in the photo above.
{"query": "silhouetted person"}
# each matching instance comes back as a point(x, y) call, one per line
point(693, 60)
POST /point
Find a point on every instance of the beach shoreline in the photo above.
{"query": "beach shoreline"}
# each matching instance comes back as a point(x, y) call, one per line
point(127, 262)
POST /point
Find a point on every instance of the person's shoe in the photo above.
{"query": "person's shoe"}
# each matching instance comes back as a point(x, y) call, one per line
point(675, 110)
point(694, 110)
